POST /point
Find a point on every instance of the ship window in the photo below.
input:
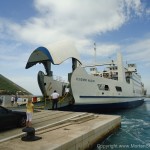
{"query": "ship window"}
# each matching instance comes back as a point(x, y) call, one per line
point(92, 69)
point(103, 87)
point(106, 87)
point(128, 79)
point(118, 88)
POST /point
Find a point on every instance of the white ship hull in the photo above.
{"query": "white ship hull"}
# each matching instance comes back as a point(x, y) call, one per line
point(86, 91)
point(116, 86)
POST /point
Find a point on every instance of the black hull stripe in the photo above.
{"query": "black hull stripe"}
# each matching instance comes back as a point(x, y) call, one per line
point(109, 106)
point(111, 97)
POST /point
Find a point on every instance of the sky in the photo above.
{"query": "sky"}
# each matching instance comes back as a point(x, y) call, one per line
point(114, 25)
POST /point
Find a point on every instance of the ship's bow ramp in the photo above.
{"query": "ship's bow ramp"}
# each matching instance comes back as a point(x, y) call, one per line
point(54, 54)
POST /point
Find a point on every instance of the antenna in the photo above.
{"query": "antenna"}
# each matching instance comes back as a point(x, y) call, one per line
point(95, 53)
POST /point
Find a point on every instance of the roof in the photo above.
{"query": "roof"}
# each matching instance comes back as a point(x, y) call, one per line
point(55, 53)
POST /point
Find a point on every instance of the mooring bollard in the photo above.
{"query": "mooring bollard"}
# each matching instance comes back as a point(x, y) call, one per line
point(30, 136)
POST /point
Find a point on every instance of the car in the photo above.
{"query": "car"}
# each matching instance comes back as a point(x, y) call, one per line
point(11, 118)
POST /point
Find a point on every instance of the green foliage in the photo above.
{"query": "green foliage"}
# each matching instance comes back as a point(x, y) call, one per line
point(8, 87)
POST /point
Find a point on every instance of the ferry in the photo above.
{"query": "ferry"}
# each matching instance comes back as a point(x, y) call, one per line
point(117, 86)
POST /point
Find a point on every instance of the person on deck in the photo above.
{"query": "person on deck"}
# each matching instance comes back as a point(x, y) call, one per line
point(54, 97)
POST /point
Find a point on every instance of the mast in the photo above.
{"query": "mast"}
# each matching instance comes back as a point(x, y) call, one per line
point(94, 53)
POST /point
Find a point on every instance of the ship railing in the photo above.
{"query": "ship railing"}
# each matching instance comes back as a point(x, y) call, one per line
point(59, 78)
point(100, 64)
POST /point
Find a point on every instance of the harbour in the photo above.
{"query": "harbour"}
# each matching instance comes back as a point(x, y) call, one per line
point(132, 134)
point(75, 75)
point(72, 125)
point(63, 130)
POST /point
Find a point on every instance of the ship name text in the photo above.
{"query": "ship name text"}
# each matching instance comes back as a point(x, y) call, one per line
point(84, 79)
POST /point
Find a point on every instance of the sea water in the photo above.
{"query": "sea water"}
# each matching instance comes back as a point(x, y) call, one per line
point(134, 132)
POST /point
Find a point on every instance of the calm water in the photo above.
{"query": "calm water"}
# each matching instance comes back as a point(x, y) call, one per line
point(134, 132)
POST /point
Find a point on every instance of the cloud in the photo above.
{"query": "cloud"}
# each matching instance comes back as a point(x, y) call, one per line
point(132, 7)
point(139, 51)
point(13, 58)
point(148, 11)
point(77, 20)
point(102, 49)
point(31, 83)
point(73, 19)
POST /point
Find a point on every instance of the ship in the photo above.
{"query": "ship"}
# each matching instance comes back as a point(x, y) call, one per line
point(116, 86)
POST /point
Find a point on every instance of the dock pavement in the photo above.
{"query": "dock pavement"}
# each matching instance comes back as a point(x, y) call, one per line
point(62, 130)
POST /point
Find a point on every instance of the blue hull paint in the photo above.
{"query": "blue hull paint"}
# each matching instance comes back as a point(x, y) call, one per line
point(110, 97)
point(111, 106)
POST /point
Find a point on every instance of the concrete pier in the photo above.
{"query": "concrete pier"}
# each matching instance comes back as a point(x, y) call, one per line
point(63, 131)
